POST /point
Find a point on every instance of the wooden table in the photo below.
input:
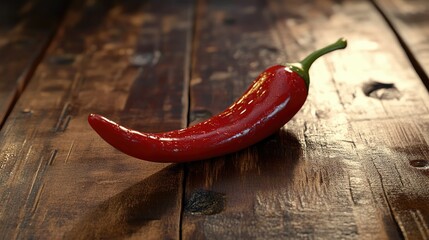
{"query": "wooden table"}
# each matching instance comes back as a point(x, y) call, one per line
point(352, 164)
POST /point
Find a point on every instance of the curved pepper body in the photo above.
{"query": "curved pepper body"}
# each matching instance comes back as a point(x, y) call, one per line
point(271, 101)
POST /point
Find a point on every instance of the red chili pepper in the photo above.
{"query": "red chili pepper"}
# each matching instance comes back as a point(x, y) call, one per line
point(271, 101)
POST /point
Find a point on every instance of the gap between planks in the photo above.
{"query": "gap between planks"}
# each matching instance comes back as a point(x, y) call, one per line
point(414, 62)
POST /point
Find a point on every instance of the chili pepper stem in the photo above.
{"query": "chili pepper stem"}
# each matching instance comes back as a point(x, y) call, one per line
point(303, 67)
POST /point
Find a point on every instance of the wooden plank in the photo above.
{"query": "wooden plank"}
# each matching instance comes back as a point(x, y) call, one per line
point(234, 41)
point(392, 144)
point(126, 60)
point(26, 27)
point(409, 20)
point(397, 152)
point(343, 167)
point(227, 47)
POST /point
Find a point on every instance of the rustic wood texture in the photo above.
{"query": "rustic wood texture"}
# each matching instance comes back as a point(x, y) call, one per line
point(352, 164)
point(409, 20)
point(26, 28)
point(113, 58)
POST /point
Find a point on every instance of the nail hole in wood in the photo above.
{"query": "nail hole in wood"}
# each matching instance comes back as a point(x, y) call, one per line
point(204, 202)
point(64, 59)
point(229, 21)
point(382, 91)
point(420, 163)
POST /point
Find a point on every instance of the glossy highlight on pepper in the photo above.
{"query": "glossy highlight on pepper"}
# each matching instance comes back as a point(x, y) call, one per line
point(273, 98)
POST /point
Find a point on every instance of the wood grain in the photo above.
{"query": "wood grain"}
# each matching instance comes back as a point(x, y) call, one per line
point(246, 42)
point(26, 28)
point(56, 173)
point(352, 164)
point(228, 53)
point(333, 172)
point(409, 21)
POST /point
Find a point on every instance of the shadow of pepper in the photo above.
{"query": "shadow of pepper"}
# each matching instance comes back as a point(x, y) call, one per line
point(130, 210)
point(151, 199)
point(266, 166)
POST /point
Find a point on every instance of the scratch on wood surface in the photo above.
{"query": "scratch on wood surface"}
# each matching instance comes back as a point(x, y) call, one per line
point(307, 181)
point(385, 196)
point(381, 179)
point(374, 196)
point(70, 151)
point(399, 175)
point(395, 118)
point(421, 223)
point(64, 118)
point(35, 192)
point(301, 202)
point(66, 123)
point(18, 165)
point(35, 178)
point(351, 191)
point(79, 78)
point(321, 178)
point(305, 133)
point(351, 142)
point(321, 188)
point(37, 198)
point(52, 157)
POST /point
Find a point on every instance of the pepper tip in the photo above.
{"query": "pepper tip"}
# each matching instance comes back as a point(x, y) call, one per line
point(93, 118)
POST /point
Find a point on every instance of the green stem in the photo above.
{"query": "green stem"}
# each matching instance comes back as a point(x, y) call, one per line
point(303, 67)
